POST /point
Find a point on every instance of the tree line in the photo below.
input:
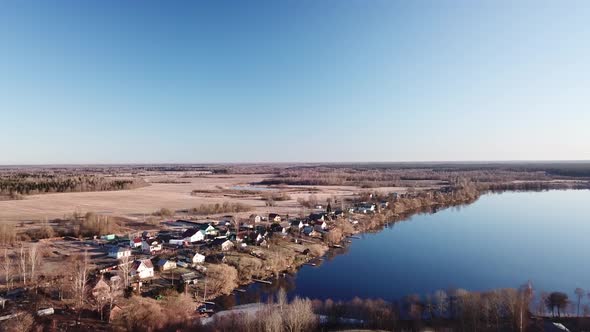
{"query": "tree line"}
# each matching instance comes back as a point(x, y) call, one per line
point(14, 186)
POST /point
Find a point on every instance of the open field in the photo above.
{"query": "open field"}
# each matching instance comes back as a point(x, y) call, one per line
point(182, 187)
point(171, 191)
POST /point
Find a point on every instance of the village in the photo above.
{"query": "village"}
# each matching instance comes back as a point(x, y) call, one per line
point(201, 258)
point(182, 269)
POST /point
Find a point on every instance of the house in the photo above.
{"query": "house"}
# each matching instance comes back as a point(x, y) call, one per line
point(317, 216)
point(189, 277)
point(249, 224)
point(208, 229)
point(324, 226)
point(142, 269)
point(108, 237)
point(176, 242)
point(227, 220)
point(194, 235)
point(274, 217)
point(100, 289)
point(151, 246)
point(119, 252)
point(255, 218)
point(135, 242)
point(227, 245)
point(165, 264)
point(366, 208)
point(45, 312)
point(198, 258)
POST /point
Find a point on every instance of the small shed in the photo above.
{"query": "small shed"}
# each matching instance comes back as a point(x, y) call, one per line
point(227, 245)
point(165, 264)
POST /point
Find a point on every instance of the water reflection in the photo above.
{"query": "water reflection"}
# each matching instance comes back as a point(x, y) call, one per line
point(499, 241)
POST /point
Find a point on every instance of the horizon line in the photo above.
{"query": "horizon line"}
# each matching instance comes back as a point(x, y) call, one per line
point(299, 163)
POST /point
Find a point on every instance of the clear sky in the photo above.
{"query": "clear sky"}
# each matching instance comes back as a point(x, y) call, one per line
point(334, 80)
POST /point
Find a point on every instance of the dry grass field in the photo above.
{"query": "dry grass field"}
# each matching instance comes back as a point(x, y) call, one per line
point(171, 191)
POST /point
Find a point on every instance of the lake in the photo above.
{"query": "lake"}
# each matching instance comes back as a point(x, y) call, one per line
point(501, 240)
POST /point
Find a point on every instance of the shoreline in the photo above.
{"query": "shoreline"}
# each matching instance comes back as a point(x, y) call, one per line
point(376, 222)
point(372, 223)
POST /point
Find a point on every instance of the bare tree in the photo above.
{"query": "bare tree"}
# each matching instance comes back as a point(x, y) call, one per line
point(22, 322)
point(557, 300)
point(60, 283)
point(334, 236)
point(299, 316)
point(80, 279)
point(23, 263)
point(100, 296)
point(114, 293)
point(222, 279)
point(7, 269)
point(282, 298)
point(441, 302)
point(429, 305)
point(579, 294)
point(34, 261)
point(124, 267)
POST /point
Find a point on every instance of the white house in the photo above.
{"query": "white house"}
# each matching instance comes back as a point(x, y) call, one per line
point(324, 226)
point(166, 264)
point(198, 258)
point(176, 242)
point(151, 246)
point(142, 269)
point(119, 252)
point(255, 218)
point(227, 245)
point(366, 208)
point(210, 230)
point(194, 235)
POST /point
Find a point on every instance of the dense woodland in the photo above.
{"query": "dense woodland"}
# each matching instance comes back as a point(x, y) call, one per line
point(370, 176)
point(14, 186)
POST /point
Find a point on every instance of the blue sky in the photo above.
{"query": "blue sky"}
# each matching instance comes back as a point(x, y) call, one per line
point(281, 81)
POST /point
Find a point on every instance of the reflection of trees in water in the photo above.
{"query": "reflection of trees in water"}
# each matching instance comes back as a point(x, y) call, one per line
point(287, 283)
point(331, 254)
point(225, 302)
point(257, 293)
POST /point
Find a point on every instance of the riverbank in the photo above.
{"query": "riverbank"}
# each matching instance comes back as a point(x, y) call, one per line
point(288, 254)
point(447, 244)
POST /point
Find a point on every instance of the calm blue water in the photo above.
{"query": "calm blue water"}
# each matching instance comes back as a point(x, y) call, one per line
point(502, 240)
